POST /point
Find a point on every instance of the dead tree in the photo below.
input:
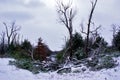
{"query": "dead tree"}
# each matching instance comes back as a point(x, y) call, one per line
point(93, 3)
point(11, 32)
point(66, 16)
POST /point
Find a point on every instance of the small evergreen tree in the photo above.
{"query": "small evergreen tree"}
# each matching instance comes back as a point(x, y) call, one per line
point(41, 51)
point(77, 42)
point(26, 45)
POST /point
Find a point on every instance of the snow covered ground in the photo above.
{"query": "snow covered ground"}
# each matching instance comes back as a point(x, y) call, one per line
point(8, 72)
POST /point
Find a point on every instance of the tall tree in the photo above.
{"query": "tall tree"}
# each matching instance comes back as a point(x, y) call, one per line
point(66, 16)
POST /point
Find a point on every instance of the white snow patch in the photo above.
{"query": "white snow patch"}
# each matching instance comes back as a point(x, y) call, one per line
point(9, 72)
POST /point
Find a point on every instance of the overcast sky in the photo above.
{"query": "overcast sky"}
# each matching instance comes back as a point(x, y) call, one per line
point(38, 18)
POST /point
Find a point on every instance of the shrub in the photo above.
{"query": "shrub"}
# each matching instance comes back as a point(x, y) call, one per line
point(19, 54)
point(79, 54)
point(103, 62)
point(34, 67)
point(106, 62)
point(59, 56)
point(26, 64)
point(110, 49)
point(16, 52)
point(22, 63)
point(115, 54)
point(99, 41)
point(93, 62)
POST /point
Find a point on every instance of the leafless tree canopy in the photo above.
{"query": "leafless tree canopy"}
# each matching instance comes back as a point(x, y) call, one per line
point(11, 32)
point(66, 14)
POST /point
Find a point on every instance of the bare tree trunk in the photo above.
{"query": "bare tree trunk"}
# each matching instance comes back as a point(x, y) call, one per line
point(89, 25)
point(71, 38)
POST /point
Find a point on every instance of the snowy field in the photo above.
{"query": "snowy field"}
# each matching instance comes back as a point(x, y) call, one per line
point(8, 72)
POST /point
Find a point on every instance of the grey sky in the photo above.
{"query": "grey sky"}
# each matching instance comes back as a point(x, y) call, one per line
point(38, 18)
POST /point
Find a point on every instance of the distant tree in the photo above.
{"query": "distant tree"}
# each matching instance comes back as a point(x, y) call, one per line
point(115, 29)
point(116, 40)
point(2, 43)
point(11, 32)
point(66, 16)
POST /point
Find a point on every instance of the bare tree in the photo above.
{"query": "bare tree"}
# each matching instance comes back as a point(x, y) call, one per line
point(93, 3)
point(66, 16)
point(11, 32)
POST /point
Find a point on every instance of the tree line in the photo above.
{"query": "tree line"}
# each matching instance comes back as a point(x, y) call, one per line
point(76, 48)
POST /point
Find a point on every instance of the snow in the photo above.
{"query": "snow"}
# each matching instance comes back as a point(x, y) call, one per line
point(10, 72)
